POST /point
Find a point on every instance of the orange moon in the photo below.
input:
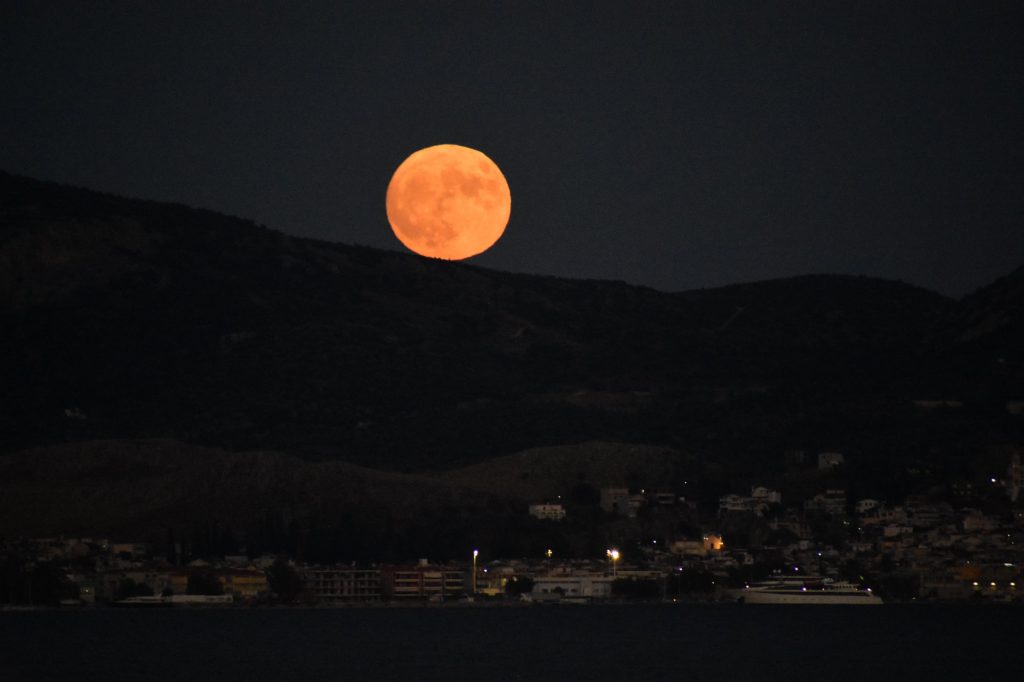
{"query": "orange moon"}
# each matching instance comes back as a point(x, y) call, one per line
point(448, 202)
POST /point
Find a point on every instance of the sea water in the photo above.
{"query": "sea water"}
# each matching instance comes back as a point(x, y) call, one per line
point(588, 643)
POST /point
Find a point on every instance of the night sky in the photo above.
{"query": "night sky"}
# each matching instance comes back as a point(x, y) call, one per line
point(673, 144)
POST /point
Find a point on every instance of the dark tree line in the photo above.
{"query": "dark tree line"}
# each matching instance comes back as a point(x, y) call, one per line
point(28, 583)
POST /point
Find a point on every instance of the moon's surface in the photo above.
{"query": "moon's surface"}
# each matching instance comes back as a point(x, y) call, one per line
point(448, 202)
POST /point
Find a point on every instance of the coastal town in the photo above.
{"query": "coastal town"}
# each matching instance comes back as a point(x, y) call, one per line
point(964, 541)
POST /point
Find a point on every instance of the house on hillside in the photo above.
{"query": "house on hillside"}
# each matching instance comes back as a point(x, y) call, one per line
point(830, 460)
point(551, 512)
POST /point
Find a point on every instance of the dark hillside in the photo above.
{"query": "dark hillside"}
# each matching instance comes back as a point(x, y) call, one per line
point(977, 351)
point(127, 318)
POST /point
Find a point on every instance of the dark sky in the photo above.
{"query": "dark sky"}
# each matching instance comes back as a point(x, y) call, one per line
point(672, 144)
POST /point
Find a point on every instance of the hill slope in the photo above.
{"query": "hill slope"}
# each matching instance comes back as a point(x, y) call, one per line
point(127, 318)
point(541, 474)
point(252, 388)
point(147, 489)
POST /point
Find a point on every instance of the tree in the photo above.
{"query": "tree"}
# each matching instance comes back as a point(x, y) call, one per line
point(204, 581)
point(518, 585)
point(637, 588)
point(284, 580)
point(690, 581)
point(126, 588)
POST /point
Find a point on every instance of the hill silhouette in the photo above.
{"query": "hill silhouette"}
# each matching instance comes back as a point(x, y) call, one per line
point(149, 351)
point(132, 318)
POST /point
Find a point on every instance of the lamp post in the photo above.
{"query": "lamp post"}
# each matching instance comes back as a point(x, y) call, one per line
point(613, 554)
point(476, 553)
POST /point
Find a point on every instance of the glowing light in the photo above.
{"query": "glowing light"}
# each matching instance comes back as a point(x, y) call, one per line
point(448, 202)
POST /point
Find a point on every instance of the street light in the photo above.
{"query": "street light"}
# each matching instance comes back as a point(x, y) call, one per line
point(613, 557)
point(476, 553)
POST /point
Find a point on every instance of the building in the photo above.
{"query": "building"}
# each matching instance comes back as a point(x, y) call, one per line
point(733, 503)
point(685, 548)
point(631, 505)
point(553, 512)
point(829, 460)
point(493, 580)
point(928, 515)
point(663, 499)
point(761, 498)
point(762, 495)
point(614, 498)
point(713, 542)
point(107, 583)
point(341, 584)
point(939, 404)
point(422, 581)
point(575, 587)
point(243, 583)
point(832, 502)
point(794, 523)
point(866, 505)
point(794, 459)
point(128, 550)
point(974, 521)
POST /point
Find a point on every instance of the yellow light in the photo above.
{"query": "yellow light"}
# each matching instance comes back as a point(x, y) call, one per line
point(614, 554)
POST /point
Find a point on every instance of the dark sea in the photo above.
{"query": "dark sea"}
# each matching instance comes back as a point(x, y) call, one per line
point(590, 643)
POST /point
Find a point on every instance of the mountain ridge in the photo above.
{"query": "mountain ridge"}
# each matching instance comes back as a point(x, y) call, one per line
point(130, 318)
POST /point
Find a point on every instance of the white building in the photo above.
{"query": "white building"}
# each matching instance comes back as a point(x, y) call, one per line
point(554, 588)
point(829, 460)
point(760, 500)
point(761, 494)
point(733, 502)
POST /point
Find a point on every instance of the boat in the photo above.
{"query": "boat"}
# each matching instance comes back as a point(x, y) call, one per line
point(805, 589)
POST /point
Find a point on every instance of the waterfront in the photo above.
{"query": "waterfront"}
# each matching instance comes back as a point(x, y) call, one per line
point(593, 643)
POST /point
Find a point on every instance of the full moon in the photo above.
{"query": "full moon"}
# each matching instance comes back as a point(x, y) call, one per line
point(448, 202)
